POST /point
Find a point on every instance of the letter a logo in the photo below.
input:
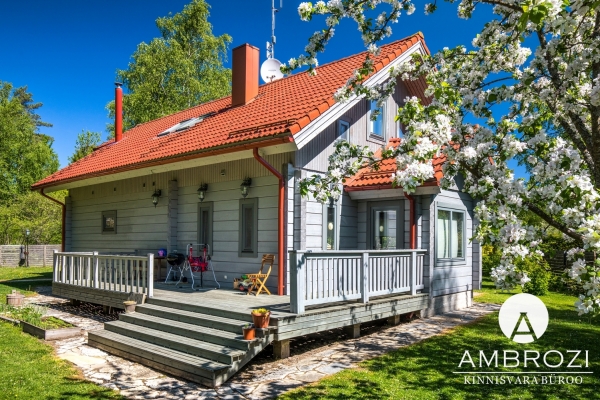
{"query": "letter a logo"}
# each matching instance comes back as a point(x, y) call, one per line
point(523, 318)
point(523, 321)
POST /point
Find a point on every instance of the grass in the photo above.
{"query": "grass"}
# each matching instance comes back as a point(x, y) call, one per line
point(29, 370)
point(8, 276)
point(424, 370)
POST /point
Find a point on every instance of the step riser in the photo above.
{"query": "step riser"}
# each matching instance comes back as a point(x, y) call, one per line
point(193, 320)
point(189, 333)
point(246, 317)
point(133, 354)
point(183, 347)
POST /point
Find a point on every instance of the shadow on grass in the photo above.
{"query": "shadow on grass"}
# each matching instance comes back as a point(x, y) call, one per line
point(425, 370)
point(71, 388)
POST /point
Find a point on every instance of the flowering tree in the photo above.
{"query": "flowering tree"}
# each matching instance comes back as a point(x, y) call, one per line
point(529, 88)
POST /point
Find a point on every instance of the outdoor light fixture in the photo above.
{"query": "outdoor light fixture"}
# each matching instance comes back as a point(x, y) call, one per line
point(155, 197)
point(245, 187)
point(202, 191)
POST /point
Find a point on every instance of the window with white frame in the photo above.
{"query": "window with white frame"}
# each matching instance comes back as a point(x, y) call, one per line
point(343, 131)
point(377, 126)
point(399, 131)
point(450, 235)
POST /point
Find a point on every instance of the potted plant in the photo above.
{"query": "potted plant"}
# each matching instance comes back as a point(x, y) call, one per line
point(261, 317)
point(129, 306)
point(248, 331)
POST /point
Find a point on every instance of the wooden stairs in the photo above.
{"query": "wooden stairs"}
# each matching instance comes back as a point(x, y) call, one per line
point(192, 342)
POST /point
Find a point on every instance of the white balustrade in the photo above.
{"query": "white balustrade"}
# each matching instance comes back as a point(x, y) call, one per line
point(107, 272)
point(332, 276)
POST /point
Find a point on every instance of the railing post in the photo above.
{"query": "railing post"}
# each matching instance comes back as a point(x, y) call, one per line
point(150, 274)
point(96, 284)
point(364, 278)
point(63, 269)
point(55, 263)
point(297, 280)
point(413, 273)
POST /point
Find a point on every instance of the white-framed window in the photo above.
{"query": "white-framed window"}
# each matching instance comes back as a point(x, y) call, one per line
point(399, 130)
point(450, 234)
point(343, 131)
point(330, 226)
point(248, 243)
point(377, 126)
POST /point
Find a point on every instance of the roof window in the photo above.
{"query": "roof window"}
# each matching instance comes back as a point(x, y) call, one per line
point(185, 124)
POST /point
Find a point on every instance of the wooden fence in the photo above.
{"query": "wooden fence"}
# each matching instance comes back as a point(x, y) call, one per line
point(113, 273)
point(40, 255)
point(332, 276)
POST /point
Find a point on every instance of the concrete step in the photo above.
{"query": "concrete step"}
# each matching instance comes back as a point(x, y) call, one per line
point(186, 366)
point(210, 351)
point(210, 335)
point(192, 317)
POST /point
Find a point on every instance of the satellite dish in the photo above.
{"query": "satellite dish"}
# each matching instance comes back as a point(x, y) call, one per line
point(269, 70)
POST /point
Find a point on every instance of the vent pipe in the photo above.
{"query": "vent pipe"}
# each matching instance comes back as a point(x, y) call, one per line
point(244, 82)
point(118, 111)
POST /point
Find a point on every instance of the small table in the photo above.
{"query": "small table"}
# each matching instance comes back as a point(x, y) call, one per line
point(159, 263)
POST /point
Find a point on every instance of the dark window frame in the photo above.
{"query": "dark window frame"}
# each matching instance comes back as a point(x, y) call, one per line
point(396, 205)
point(105, 215)
point(244, 205)
point(209, 240)
point(336, 225)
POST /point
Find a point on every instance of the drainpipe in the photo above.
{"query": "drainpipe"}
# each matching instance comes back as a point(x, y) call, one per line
point(281, 212)
point(413, 225)
point(64, 213)
point(118, 111)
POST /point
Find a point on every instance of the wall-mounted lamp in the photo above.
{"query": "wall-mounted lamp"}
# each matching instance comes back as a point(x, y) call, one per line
point(155, 196)
point(202, 191)
point(245, 186)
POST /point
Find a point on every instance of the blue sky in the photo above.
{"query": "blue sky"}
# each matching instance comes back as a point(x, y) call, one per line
point(67, 51)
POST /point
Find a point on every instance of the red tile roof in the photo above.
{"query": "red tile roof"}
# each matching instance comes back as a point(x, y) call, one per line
point(280, 110)
point(369, 179)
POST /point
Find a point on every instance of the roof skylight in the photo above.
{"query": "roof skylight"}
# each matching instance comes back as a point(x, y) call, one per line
point(185, 124)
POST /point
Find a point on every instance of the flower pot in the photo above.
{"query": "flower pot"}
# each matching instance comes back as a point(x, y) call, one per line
point(261, 320)
point(248, 333)
point(15, 299)
point(129, 306)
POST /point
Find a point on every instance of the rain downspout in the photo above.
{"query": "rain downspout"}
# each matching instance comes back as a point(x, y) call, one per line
point(280, 220)
point(413, 226)
point(64, 213)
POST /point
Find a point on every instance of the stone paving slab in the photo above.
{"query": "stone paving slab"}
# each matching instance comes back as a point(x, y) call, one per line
point(264, 381)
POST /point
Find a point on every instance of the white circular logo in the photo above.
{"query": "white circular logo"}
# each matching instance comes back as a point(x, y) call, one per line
point(523, 318)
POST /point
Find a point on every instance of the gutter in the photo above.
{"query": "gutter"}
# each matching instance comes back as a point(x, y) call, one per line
point(280, 220)
point(64, 213)
point(285, 138)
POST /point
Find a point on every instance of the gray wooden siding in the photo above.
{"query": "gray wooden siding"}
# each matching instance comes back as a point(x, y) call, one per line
point(142, 228)
point(458, 276)
point(314, 155)
point(68, 220)
point(348, 226)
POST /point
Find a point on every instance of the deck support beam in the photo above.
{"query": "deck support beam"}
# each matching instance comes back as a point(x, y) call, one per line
point(281, 348)
point(353, 331)
point(393, 320)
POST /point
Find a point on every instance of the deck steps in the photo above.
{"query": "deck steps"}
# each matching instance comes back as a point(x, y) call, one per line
point(206, 348)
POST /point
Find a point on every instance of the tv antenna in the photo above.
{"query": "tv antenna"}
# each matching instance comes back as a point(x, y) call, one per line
point(269, 70)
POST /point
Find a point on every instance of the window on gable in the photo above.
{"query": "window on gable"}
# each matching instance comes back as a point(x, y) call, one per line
point(248, 228)
point(450, 234)
point(377, 126)
point(343, 131)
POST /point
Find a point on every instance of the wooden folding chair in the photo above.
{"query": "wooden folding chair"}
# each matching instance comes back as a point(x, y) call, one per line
point(259, 280)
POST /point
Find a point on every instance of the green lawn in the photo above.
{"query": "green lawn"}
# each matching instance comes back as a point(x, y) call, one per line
point(29, 370)
point(10, 274)
point(28, 367)
point(424, 370)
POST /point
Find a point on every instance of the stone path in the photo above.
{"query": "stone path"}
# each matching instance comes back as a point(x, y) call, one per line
point(255, 381)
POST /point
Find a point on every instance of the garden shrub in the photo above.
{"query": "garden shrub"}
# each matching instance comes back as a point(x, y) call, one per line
point(539, 272)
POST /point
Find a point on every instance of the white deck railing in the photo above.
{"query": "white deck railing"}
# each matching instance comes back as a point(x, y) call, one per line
point(332, 276)
point(115, 273)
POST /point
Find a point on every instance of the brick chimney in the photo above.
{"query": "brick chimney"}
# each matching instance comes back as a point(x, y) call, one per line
point(244, 74)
